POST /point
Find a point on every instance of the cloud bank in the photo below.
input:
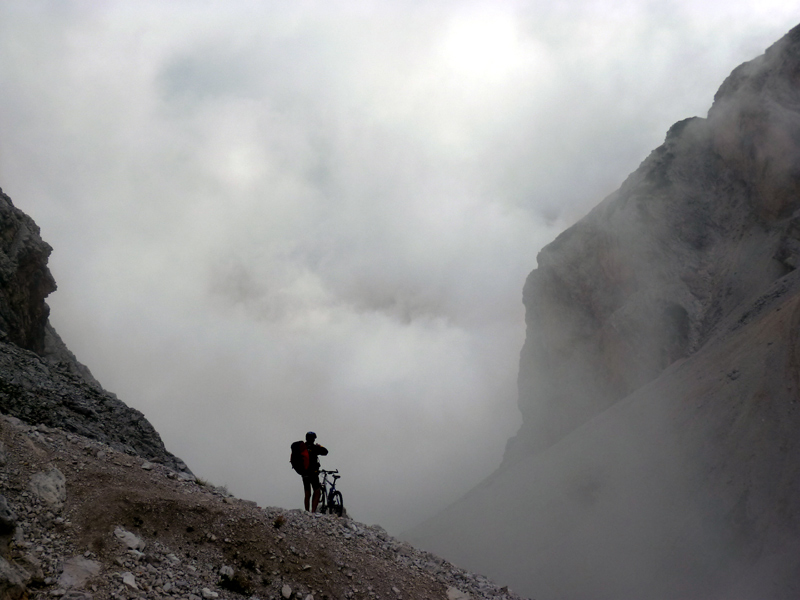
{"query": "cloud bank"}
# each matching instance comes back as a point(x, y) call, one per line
point(270, 217)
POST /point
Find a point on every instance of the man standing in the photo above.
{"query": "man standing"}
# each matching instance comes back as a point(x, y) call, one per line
point(311, 474)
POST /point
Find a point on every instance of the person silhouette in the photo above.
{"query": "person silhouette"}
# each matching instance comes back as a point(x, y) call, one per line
point(311, 475)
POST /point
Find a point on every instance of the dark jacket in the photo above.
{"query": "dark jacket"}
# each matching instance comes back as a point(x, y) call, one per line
point(314, 452)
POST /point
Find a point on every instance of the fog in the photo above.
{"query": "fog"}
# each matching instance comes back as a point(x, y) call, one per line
point(269, 218)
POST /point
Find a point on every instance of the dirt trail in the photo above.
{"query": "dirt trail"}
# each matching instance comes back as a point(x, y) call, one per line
point(196, 541)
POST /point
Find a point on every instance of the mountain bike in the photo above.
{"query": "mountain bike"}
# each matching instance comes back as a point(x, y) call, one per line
point(331, 501)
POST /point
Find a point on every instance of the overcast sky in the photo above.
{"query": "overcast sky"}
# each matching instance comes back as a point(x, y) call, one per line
point(270, 217)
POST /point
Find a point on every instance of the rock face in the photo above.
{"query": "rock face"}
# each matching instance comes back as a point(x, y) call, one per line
point(705, 224)
point(25, 280)
point(660, 380)
point(41, 381)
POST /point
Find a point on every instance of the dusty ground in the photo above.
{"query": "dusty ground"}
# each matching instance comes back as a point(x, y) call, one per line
point(192, 530)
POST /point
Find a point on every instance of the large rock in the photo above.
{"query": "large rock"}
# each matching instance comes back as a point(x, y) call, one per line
point(13, 581)
point(659, 380)
point(38, 392)
point(25, 280)
point(8, 525)
point(49, 487)
point(77, 571)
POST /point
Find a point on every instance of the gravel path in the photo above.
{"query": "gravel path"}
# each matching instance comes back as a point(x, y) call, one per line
point(83, 521)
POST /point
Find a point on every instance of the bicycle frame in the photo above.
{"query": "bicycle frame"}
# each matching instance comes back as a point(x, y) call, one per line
point(331, 500)
point(326, 493)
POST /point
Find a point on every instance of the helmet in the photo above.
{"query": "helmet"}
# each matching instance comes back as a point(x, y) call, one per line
point(311, 435)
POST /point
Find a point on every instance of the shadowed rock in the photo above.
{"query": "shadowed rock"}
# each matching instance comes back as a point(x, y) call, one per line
point(8, 524)
point(25, 280)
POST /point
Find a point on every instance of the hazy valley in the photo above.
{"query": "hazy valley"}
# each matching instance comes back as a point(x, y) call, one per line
point(659, 387)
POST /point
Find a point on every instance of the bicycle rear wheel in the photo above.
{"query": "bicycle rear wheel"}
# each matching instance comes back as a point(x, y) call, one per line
point(337, 504)
point(323, 503)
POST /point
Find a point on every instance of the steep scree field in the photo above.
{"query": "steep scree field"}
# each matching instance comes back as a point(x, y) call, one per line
point(105, 524)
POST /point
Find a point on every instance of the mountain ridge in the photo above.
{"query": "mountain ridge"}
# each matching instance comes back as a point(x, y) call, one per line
point(658, 388)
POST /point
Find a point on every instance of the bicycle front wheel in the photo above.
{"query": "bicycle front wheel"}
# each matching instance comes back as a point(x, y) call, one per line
point(337, 504)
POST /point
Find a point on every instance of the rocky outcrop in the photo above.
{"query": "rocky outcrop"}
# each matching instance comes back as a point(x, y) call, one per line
point(659, 380)
point(709, 220)
point(38, 392)
point(25, 280)
point(41, 381)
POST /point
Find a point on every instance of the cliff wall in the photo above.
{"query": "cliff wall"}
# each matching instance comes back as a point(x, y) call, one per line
point(25, 280)
point(660, 380)
point(707, 222)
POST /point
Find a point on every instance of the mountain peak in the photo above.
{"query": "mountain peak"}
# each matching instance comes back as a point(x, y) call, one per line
point(658, 381)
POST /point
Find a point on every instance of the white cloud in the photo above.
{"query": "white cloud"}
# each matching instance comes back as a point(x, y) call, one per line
point(273, 217)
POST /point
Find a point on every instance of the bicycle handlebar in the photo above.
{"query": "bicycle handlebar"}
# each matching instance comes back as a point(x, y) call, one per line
point(328, 472)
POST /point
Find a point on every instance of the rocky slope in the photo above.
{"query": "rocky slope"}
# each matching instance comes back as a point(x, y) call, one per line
point(93, 506)
point(80, 520)
point(659, 378)
point(41, 381)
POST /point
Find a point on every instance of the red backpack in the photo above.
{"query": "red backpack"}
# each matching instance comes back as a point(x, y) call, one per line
point(300, 458)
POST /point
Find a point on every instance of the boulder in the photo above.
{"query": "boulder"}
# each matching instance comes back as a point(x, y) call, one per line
point(8, 523)
point(49, 487)
point(456, 594)
point(13, 581)
point(131, 540)
point(77, 571)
